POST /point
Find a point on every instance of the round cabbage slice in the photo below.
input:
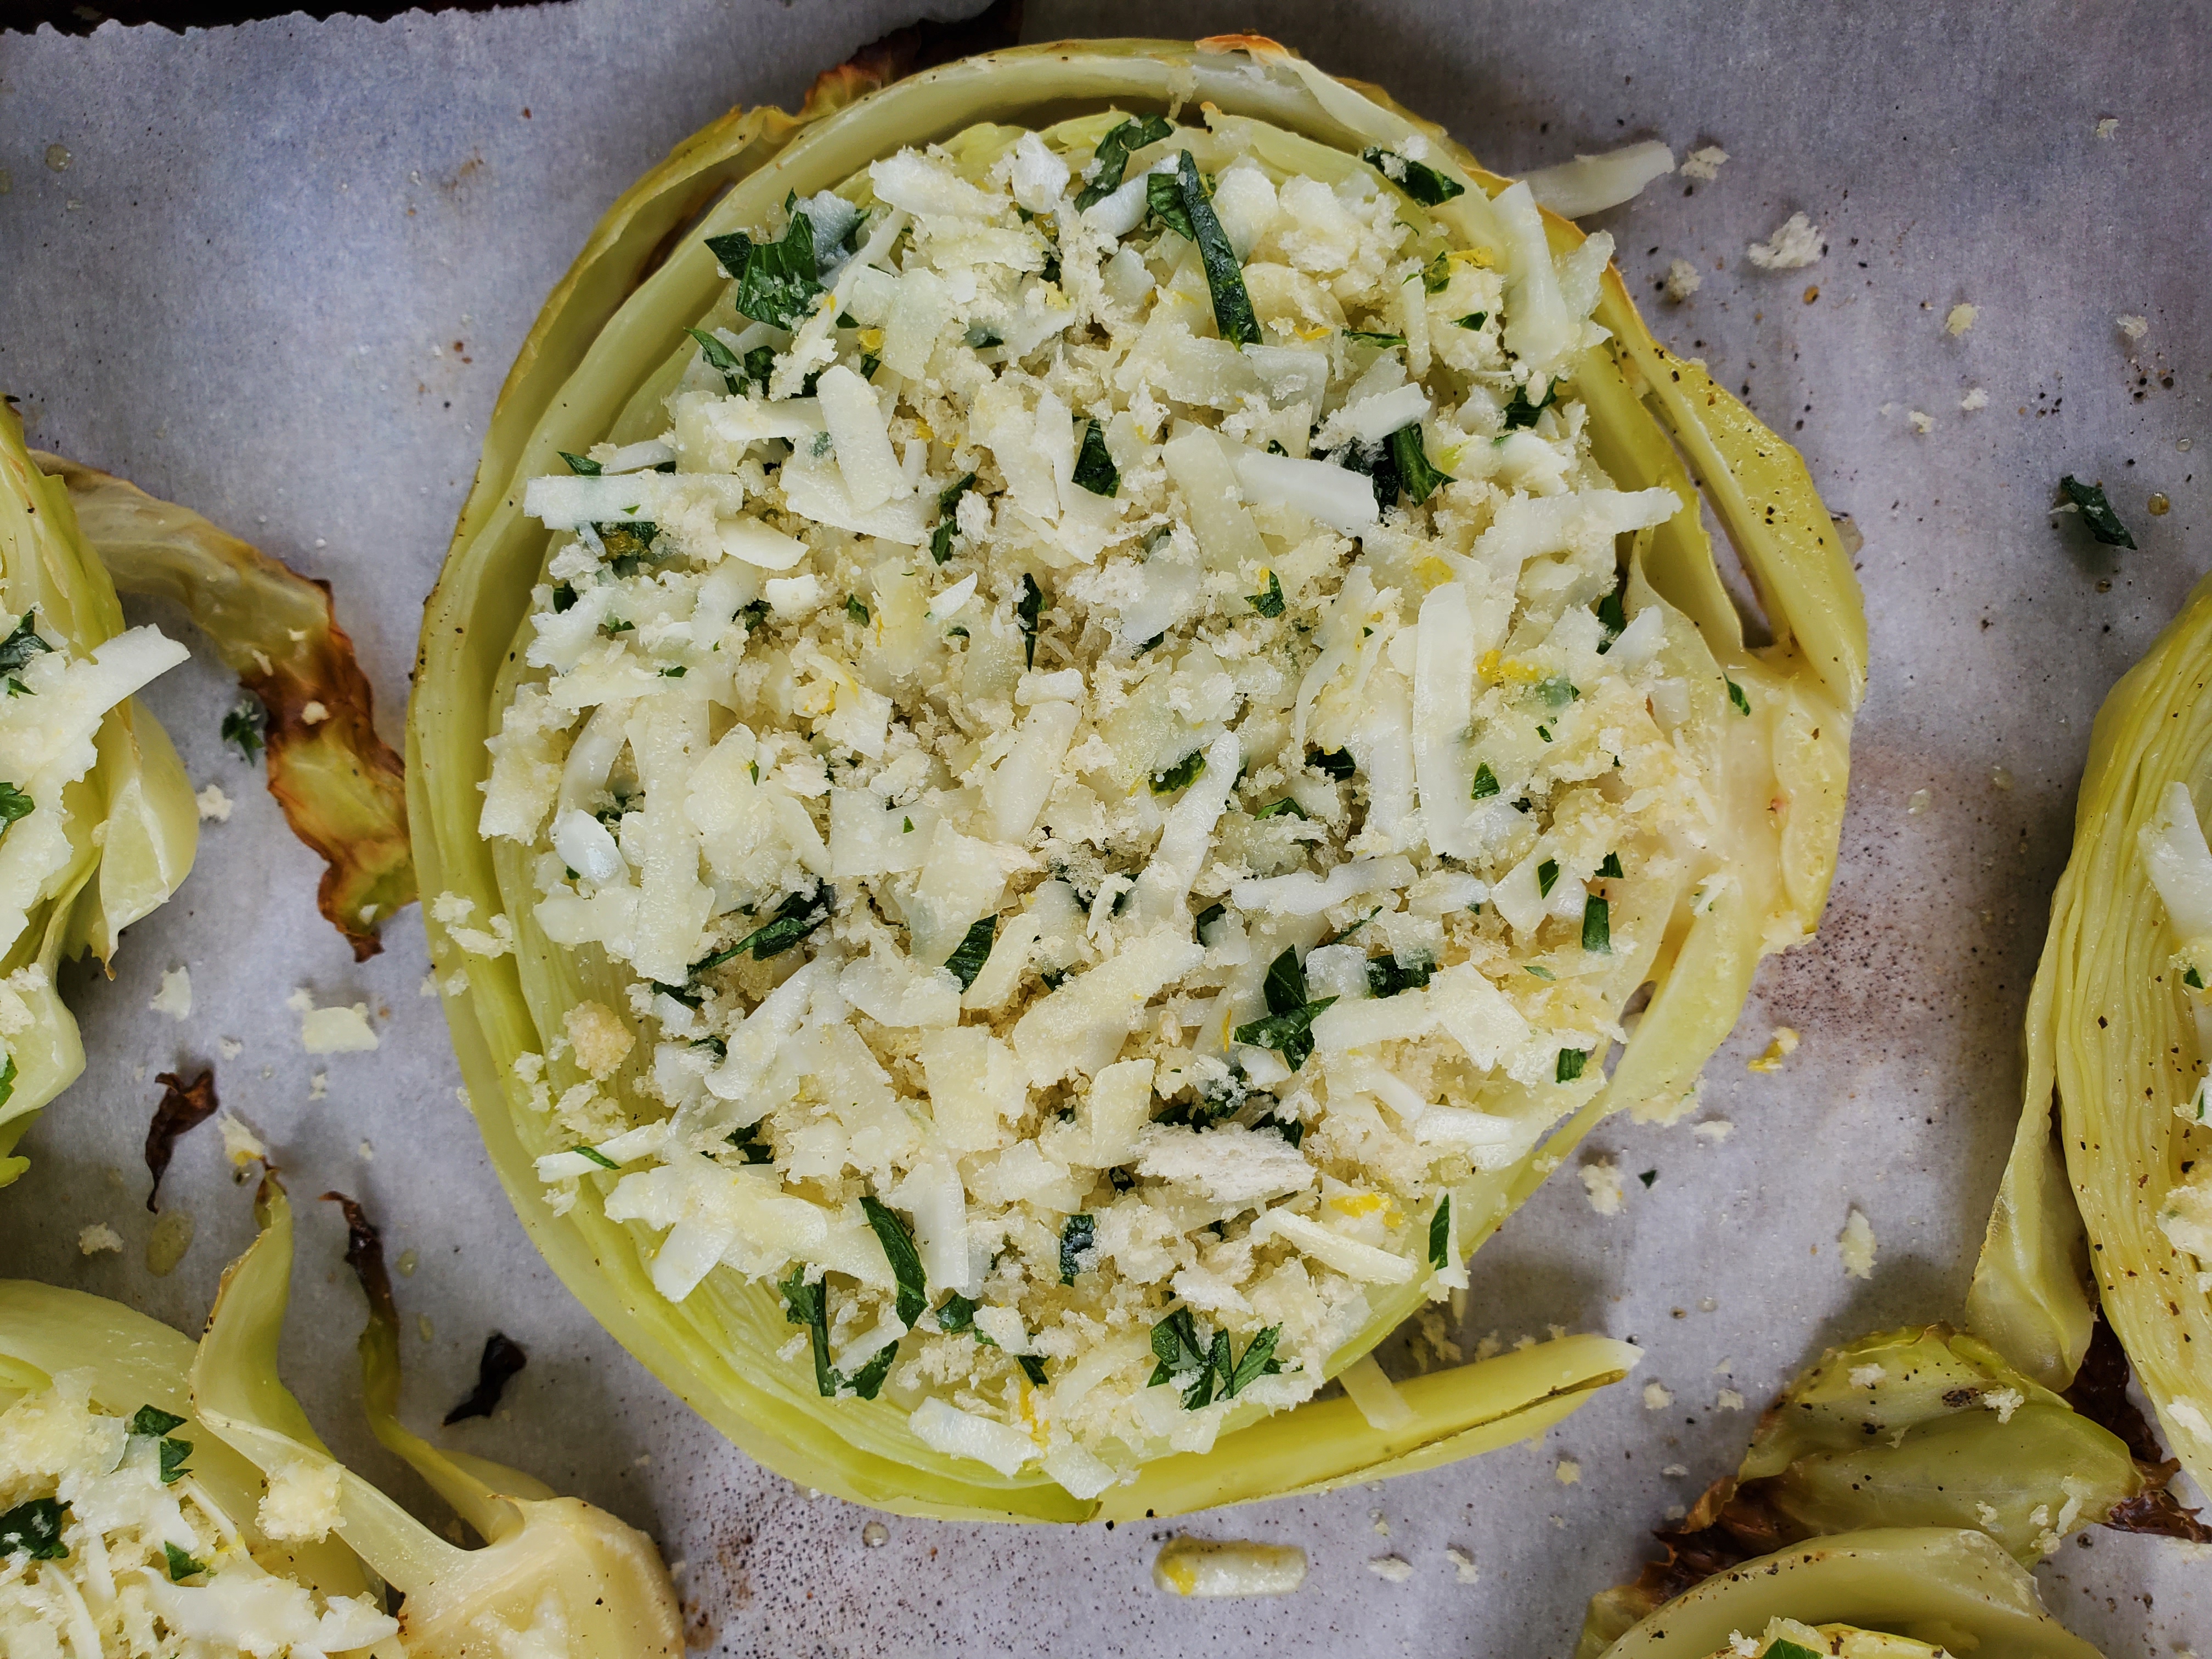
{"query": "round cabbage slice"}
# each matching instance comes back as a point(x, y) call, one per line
point(1114, 713)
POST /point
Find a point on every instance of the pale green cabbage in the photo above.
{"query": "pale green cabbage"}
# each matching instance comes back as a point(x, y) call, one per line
point(594, 365)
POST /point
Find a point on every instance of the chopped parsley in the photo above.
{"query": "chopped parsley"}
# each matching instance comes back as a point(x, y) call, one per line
point(1736, 697)
point(1786, 1648)
point(1387, 976)
point(905, 1259)
point(16, 651)
point(1027, 609)
point(1485, 783)
point(1440, 1235)
point(13, 804)
point(34, 1528)
point(1520, 412)
point(720, 359)
point(1541, 971)
point(2097, 512)
point(956, 1315)
point(1271, 603)
point(1184, 772)
point(181, 1565)
point(676, 672)
point(1288, 1028)
point(809, 1305)
point(596, 1156)
point(1417, 475)
point(173, 1454)
point(748, 1140)
point(948, 503)
point(778, 282)
point(1597, 925)
point(153, 1421)
point(1114, 152)
point(974, 950)
point(1094, 467)
point(1163, 201)
point(1558, 691)
point(1611, 867)
point(1287, 807)
point(799, 915)
point(1205, 918)
point(1336, 763)
point(2192, 979)
point(1648, 1177)
point(1079, 1238)
point(1177, 1347)
point(1435, 276)
point(1473, 319)
point(856, 610)
point(1612, 616)
point(1032, 1368)
point(981, 336)
point(1224, 278)
point(244, 725)
point(1367, 336)
point(564, 597)
point(1572, 1061)
point(1416, 179)
point(1548, 873)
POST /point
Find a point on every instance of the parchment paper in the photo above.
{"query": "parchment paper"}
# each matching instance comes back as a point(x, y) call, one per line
point(280, 278)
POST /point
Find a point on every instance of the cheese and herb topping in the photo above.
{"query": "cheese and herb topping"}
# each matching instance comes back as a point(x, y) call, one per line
point(1094, 727)
point(108, 1545)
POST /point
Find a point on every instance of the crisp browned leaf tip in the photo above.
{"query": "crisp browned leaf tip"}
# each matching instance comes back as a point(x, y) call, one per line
point(185, 1106)
point(340, 784)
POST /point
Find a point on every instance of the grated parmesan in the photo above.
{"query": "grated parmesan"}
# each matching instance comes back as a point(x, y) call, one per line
point(1796, 244)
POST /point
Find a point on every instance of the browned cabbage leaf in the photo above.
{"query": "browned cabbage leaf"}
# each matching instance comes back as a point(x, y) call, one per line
point(340, 784)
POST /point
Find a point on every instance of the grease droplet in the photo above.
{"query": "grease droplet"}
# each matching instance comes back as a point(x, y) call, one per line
point(875, 1534)
point(58, 158)
point(2160, 506)
point(167, 1244)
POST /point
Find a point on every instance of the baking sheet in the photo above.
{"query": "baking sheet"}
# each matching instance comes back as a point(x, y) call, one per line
point(279, 273)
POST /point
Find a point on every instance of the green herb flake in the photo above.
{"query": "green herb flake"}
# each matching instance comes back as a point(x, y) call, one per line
point(856, 610)
point(1435, 276)
point(809, 1305)
point(1545, 733)
point(2105, 526)
point(1474, 319)
point(583, 465)
point(1271, 603)
point(1336, 763)
point(748, 1140)
point(1224, 278)
point(974, 950)
point(868, 1381)
point(1259, 1360)
point(1184, 772)
point(34, 1528)
point(1548, 873)
point(1486, 782)
point(1079, 1238)
point(1094, 467)
point(676, 672)
point(956, 1315)
point(1597, 925)
point(21, 645)
point(1205, 918)
point(719, 358)
point(1520, 412)
point(1032, 1368)
point(1417, 475)
point(1785, 1649)
point(1737, 700)
point(15, 803)
point(154, 1421)
point(778, 282)
point(1027, 609)
point(1287, 807)
point(1386, 977)
point(1611, 867)
point(1440, 1235)
point(1540, 970)
point(799, 915)
point(173, 1454)
point(1114, 152)
point(243, 726)
point(1416, 179)
point(1572, 1061)
point(1648, 1177)
point(1288, 1028)
point(905, 1259)
point(1369, 337)
point(181, 1565)
point(1163, 201)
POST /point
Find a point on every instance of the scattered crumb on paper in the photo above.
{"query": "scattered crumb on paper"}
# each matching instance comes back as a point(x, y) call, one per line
point(1702, 164)
point(214, 803)
point(97, 1237)
point(1795, 245)
point(338, 1030)
point(174, 998)
point(1601, 1181)
point(1857, 1240)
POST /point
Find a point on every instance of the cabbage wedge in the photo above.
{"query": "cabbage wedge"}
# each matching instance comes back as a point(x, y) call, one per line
point(99, 823)
point(614, 338)
point(286, 1545)
point(2107, 1197)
